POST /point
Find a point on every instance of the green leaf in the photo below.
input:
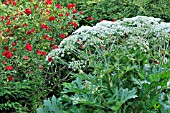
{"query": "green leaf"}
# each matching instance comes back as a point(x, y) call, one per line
point(54, 100)
point(47, 103)
point(109, 70)
point(161, 75)
point(125, 94)
point(42, 110)
point(137, 82)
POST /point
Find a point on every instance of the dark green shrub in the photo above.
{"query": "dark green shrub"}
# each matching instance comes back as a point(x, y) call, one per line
point(17, 97)
point(158, 9)
point(119, 9)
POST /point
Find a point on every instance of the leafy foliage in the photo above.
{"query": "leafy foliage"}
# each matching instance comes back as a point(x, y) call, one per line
point(124, 69)
point(50, 106)
point(119, 9)
point(15, 97)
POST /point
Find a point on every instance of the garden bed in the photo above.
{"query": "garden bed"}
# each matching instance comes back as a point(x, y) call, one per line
point(68, 57)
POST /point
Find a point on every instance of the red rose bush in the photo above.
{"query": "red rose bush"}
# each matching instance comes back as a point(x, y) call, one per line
point(29, 30)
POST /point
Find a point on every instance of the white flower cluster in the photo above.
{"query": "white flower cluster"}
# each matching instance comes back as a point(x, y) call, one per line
point(139, 31)
point(76, 65)
point(164, 27)
point(134, 42)
point(142, 21)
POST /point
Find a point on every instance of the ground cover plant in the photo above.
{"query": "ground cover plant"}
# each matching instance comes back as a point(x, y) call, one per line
point(128, 57)
point(120, 66)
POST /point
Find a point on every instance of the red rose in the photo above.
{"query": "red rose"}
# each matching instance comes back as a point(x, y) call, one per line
point(60, 14)
point(67, 14)
point(51, 18)
point(14, 3)
point(15, 17)
point(55, 47)
point(50, 59)
point(74, 24)
point(50, 39)
point(70, 22)
point(89, 18)
point(80, 12)
point(7, 2)
point(20, 13)
point(43, 53)
point(75, 11)
point(48, 11)
point(58, 6)
point(23, 25)
point(48, 29)
point(2, 18)
point(9, 68)
point(6, 18)
point(28, 47)
point(29, 72)
point(43, 26)
point(25, 57)
point(45, 37)
point(8, 22)
point(24, 39)
point(62, 36)
point(13, 43)
point(14, 49)
point(8, 30)
point(30, 31)
point(70, 6)
point(51, 45)
point(10, 78)
point(28, 11)
point(36, 6)
point(103, 47)
point(16, 27)
point(38, 52)
point(49, 2)
point(7, 54)
point(6, 48)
